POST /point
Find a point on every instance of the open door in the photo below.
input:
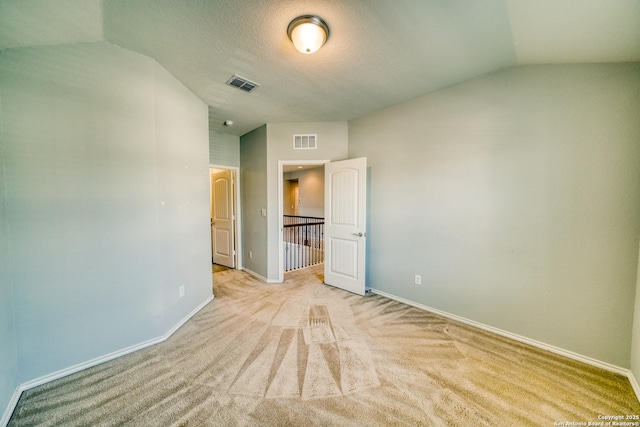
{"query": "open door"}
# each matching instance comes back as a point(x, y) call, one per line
point(222, 218)
point(345, 224)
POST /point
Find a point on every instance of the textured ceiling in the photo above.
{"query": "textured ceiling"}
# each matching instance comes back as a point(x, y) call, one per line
point(380, 52)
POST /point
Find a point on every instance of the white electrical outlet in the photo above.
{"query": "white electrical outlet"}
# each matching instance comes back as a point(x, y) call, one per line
point(250, 254)
point(417, 279)
point(181, 291)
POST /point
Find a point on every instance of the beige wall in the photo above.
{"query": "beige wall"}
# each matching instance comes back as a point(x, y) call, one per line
point(106, 199)
point(253, 178)
point(224, 149)
point(310, 192)
point(635, 341)
point(288, 196)
point(9, 349)
point(516, 197)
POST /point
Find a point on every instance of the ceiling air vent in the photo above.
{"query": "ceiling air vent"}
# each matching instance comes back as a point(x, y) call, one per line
point(305, 142)
point(242, 83)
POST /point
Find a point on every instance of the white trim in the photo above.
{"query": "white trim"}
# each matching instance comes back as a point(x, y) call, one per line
point(538, 344)
point(93, 362)
point(516, 337)
point(187, 317)
point(634, 384)
point(259, 277)
point(281, 164)
point(59, 374)
point(11, 406)
point(237, 208)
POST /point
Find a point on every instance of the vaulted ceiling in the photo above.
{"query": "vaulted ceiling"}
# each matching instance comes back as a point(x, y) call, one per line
point(380, 52)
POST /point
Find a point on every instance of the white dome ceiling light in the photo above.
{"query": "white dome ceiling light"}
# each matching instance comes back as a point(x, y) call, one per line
point(308, 33)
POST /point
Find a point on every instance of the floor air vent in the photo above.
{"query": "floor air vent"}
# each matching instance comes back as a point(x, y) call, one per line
point(242, 83)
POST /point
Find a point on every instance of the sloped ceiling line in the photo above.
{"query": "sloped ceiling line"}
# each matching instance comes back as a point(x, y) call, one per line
point(380, 53)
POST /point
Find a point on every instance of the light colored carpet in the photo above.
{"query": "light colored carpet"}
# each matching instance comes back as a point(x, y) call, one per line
point(303, 353)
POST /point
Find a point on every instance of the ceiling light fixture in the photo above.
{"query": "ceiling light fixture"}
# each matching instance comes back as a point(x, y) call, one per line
point(308, 33)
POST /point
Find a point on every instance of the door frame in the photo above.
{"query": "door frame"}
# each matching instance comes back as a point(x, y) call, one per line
point(237, 207)
point(281, 165)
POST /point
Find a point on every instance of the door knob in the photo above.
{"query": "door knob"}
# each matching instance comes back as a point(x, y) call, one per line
point(358, 234)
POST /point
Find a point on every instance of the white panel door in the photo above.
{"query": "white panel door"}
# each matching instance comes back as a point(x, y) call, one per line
point(222, 217)
point(345, 224)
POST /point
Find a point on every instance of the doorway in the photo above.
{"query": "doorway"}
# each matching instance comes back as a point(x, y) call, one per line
point(291, 194)
point(289, 201)
point(225, 217)
point(344, 212)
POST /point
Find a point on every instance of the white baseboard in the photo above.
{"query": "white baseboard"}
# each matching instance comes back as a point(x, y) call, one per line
point(634, 383)
point(93, 362)
point(254, 274)
point(259, 277)
point(10, 407)
point(187, 317)
point(516, 337)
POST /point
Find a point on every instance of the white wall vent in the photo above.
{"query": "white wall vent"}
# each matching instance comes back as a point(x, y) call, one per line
point(242, 83)
point(305, 142)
